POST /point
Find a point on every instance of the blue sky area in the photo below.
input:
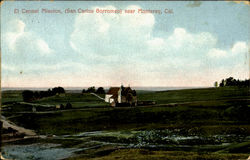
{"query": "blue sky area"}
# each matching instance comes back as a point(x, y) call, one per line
point(195, 45)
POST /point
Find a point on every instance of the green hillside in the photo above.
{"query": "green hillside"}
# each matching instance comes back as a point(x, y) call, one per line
point(191, 95)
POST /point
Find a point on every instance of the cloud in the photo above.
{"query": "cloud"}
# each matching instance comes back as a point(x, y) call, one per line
point(8, 68)
point(231, 62)
point(123, 37)
point(239, 48)
point(42, 46)
point(134, 55)
point(190, 41)
point(16, 30)
point(23, 42)
point(217, 53)
point(122, 48)
point(106, 34)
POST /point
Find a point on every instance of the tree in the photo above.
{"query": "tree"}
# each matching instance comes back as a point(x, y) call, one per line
point(91, 89)
point(233, 82)
point(100, 90)
point(222, 83)
point(27, 95)
point(58, 90)
point(36, 95)
point(62, 106)
point(216, 84)
point(83, 91)
point(229, 81)
point(61, 90)
point(50, 93)
point(134, 92)
point(129, 98)
point(68, 106)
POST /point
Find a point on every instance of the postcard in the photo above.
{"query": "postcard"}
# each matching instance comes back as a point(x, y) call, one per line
point(125, 80)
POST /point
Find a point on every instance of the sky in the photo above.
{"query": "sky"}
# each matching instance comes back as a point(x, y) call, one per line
point(194, 46)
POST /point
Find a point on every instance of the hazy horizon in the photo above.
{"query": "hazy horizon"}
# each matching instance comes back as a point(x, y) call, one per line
point(149, 88)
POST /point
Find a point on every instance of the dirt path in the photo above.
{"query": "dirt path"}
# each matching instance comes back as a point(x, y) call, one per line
point(34, 104)
point(7, 124)
point(97, 96)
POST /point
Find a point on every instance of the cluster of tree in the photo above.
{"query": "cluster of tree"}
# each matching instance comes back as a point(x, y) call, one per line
point(30, 95)
point(233, 82)
point(92, 89)
point(67, 106)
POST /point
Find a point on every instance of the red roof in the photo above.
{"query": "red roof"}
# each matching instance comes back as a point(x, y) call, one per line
point(113, 90)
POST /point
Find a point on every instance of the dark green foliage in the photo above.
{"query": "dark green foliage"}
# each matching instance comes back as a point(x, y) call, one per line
point(58, 90)
point(36, 95)
point(68, 106)
point(133, 92)
point(239, 112)
point(83, 91)
point(62, 106)
point(54, 91)
point(27, 95)
point(233, 82)
point(100, 90)
point(129, 98)
point(91, 90)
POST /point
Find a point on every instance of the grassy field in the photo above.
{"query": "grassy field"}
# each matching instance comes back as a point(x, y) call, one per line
point(76, 99)
point(11, 96)
point(192, 112)
point(212, 106)
point(74, 121)
point(191, 95)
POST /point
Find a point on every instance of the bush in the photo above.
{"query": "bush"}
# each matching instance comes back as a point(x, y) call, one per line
point(100, 90)
point(91, 89)
point(83, 91)
point(27, 95)
point(68, 106)
point(58, 90)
